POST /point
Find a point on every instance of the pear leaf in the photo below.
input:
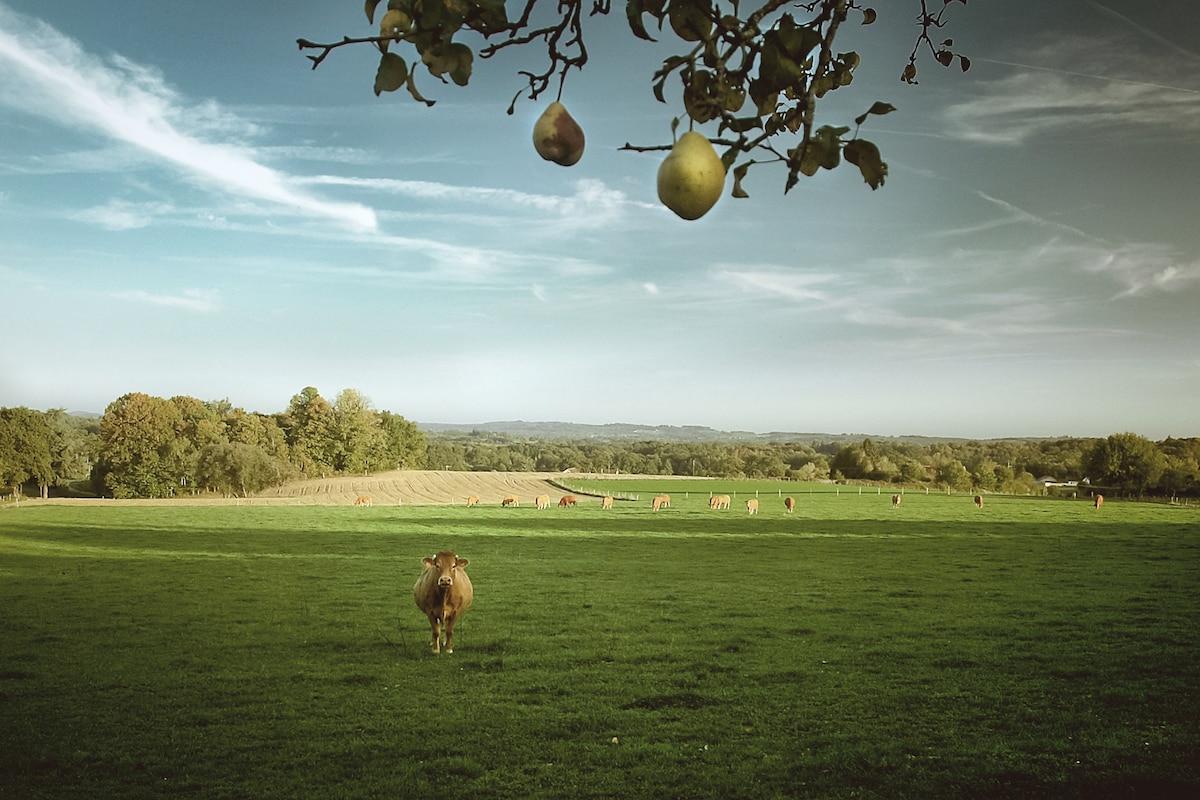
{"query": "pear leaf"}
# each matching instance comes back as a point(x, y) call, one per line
point(391, 75)
point(633, 12)
point(689, 21)
point(812, 157)
point(742, 124)
point(865, 155)
point(464, 60)
point(370, 9)
point(491, 18)
point(878, 108)
point(739, 173)
point(416, 95)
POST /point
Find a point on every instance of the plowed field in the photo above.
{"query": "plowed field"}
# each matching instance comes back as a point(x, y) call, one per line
point(417, 487)
point(402, 487)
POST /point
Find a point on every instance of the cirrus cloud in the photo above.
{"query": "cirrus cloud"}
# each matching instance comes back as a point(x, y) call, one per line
point(51, 76)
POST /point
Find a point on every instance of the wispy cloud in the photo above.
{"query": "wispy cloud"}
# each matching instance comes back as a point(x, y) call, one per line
point(1140, 269)
point(118, 215)
point(1073, 82)
point(795, 286)
point(50, 75)
point(199, 300)
point(1014, 215)
point(1144, 31)
point(1061, 288)
point(593, 205)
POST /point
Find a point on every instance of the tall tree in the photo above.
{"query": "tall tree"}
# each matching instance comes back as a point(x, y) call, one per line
point(360, 443)
point(1125, 461)
point(78, 445)
point(237, 468)
point(311, 429)
point(139, 447)
point(404, 442)
point(27, 445)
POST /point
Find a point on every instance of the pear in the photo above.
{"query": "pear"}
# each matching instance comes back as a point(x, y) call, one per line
point(557, 136)
point(691, 177)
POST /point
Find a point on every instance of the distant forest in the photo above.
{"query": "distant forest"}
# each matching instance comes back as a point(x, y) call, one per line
point(145, 446)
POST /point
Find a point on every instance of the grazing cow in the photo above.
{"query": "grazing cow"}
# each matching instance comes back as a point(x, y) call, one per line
point(790, 504)
point(473, 500)
point(979, 501)
point(752, 505)
point(719, 501)
point(362, 500)
point(567, 500)
point(510, 500)
point(444, 593)
point(662, 501)
point(895, 500)
point(542, 501)
point(1099, 501)
point(606, 502)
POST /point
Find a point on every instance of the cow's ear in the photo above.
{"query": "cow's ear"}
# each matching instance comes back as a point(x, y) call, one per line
point(428, 561)
point(462, 562)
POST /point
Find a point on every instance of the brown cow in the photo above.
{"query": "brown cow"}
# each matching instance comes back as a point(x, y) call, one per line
point(719, 501)
point(510, 500)
point(473, 500)
point(444, 593)
point(567, 500)
point(895, 500)
point(979, 501)
point(1099, 501)
point(542, 501)
point(752, 505)
point(790, 504)
point(606, 501)
point(662, 501)
point(362, 500)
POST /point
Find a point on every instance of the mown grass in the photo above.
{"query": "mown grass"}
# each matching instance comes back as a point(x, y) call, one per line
point(1031, 648)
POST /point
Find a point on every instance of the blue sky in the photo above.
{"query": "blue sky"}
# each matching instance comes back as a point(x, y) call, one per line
point(187, 209)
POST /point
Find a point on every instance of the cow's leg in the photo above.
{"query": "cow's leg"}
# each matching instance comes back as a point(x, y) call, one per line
point(435, 632)
point(450, 618)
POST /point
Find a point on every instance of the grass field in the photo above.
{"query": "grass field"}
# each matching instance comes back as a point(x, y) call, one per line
point(1031, 648)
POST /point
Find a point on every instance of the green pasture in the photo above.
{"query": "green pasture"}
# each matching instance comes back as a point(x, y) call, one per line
point(1031, 648)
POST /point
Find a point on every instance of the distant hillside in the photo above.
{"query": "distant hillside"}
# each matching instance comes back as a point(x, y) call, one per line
point(620, 431)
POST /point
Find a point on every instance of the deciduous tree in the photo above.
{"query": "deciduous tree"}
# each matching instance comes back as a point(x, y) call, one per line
point(138, 447)
point(27, 445)
point(1125, 461)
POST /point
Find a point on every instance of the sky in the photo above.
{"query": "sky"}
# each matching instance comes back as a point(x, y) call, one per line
point(186, 208)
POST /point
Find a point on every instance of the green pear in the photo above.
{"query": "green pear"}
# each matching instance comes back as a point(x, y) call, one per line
point(691, 177)
point(557, 136)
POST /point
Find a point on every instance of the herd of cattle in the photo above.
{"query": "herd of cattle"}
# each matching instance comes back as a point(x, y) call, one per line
point(716, 501)
point(443, 592)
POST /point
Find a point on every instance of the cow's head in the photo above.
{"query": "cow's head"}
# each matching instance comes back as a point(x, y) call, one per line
point(447, 565)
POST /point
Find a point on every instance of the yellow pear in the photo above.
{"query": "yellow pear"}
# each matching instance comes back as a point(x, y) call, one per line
point(691, 177)
point(557, 136)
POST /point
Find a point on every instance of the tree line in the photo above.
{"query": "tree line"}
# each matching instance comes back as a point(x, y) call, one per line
point(1124, 463)
point(145, 446)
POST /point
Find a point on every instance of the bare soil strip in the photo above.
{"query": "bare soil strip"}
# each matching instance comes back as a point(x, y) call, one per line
point(417, 487)
point(400, 487)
